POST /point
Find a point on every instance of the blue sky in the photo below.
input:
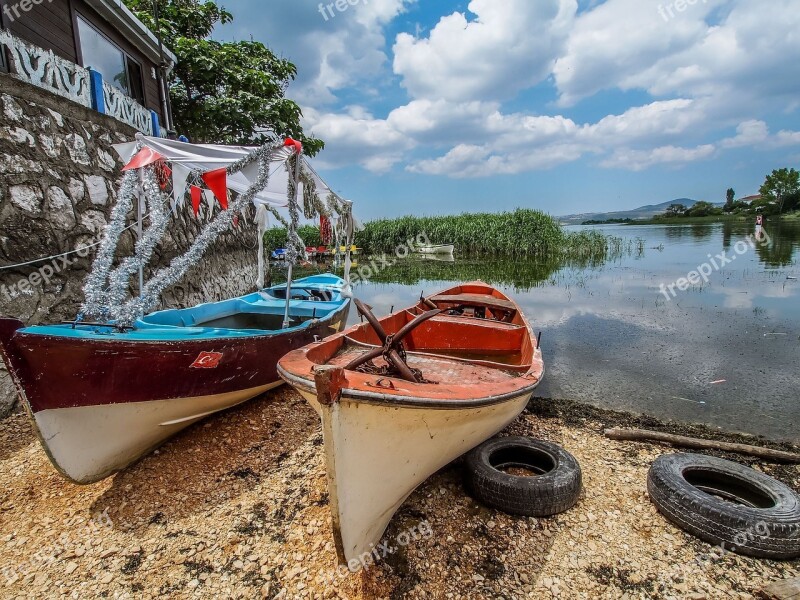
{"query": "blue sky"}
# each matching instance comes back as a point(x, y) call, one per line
point(567, 106)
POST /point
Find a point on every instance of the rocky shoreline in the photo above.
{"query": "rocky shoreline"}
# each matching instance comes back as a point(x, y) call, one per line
point(237, 507)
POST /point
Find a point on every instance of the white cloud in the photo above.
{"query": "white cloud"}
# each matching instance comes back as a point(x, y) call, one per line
point(749, 133)
point(639, 160)
point(343, 51)
point(787, 138)
point(356, 137)
point(511, 45)
point(741, 53)
point(706, 70)
point(620, 39)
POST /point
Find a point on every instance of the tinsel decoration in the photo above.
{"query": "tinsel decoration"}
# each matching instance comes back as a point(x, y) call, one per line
point(119, 279)
point(168, 276)
point(95, 297)
point(262, 220)
point(313, 205)
point(278, 216)
point(295, 247)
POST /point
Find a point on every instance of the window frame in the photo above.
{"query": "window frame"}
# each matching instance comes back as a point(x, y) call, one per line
point(127, 58)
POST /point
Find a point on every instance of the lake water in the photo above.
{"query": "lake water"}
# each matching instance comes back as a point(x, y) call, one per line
point(724, 353)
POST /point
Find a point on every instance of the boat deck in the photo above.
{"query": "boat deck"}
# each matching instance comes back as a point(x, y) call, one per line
point(440, 368)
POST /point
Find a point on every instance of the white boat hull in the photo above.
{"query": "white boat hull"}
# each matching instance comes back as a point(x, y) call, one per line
point(377, 454)
point(88, 443)
point(446, 249)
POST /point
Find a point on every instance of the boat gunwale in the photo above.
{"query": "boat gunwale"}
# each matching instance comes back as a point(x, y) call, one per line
point(205, 334)
point(403, 401)
point(210, 337)
point(536, 370)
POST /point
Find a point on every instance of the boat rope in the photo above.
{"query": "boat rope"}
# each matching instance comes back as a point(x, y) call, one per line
point(55, 256)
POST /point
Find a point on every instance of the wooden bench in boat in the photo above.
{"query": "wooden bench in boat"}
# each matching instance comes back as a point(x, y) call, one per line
point(478, 300)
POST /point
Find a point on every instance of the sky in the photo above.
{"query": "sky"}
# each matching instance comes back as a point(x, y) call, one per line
point(568, 106)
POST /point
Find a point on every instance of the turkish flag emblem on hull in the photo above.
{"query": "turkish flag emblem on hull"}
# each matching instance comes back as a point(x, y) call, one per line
point(207, 360)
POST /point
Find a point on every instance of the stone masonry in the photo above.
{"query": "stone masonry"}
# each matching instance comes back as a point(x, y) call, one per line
point(58, 175)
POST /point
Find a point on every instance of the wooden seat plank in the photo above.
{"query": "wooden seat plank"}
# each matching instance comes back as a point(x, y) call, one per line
point(483, 300)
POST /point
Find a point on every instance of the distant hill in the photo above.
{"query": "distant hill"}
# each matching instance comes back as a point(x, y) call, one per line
point(643, 212)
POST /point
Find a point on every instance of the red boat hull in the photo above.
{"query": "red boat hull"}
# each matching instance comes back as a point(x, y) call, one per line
point(100, 405)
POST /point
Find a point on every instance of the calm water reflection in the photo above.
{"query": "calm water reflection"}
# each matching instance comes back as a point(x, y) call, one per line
point(724, 353)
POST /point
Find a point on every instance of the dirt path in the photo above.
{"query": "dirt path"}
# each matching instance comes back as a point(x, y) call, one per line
point(237, 507)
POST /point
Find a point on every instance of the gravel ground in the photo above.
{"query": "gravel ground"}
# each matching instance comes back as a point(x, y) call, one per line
point(237, 507)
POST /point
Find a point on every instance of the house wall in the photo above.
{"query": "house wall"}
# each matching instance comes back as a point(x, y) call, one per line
point(58, 175)
point(52, 26)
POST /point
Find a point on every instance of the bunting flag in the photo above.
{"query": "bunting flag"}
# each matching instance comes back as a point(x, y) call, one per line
point(210, 203)
point(197, 197)
point(217, 182)
point(164, 174)
point(144, 157)
point(298, 147)
point(126, 151)
point(180, 175)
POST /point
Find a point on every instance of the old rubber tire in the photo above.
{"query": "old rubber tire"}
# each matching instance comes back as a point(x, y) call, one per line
point(727, 504)
point(555, 490)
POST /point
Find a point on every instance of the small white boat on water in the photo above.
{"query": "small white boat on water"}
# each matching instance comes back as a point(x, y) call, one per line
point(403, 396)
point(440, 249)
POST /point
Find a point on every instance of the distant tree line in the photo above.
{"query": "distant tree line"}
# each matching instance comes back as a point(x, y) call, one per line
point(608, 221)
point(779, 195)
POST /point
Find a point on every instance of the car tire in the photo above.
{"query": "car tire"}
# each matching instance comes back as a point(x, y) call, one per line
point(727, 504)
point(555, 489)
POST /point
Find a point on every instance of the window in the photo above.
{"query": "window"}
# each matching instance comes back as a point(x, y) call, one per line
point(116, 67)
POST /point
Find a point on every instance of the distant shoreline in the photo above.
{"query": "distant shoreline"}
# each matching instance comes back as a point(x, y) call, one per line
point(693, 220)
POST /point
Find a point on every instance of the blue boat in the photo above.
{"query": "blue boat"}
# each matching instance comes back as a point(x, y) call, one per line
point(101, 396)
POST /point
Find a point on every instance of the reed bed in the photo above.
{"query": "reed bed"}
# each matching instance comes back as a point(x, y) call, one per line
point(518, 234)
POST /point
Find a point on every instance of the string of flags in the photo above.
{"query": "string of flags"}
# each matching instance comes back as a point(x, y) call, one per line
point(216, 181)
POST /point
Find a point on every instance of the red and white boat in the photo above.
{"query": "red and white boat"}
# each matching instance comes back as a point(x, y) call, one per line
point(402, 396)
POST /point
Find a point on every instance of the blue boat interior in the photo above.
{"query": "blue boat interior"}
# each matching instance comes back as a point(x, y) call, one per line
point(312, 298)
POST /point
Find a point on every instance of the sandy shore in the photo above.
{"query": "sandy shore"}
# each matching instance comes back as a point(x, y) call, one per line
point(237, 507)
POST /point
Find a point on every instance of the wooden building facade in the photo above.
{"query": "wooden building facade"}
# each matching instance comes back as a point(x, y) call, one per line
point(99, 34)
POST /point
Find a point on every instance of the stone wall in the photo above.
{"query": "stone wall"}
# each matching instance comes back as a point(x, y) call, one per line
point(58, 175)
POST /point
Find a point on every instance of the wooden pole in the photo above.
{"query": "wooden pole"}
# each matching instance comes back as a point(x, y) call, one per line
point(642, 435)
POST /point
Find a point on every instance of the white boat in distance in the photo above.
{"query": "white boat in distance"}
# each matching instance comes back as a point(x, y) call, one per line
point(436, 249)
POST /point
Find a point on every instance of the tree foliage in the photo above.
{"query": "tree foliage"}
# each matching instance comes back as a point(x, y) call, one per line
point(675, 210)
point(223, 92)
point(703, 209)
point(730, 198)
point(780, 185)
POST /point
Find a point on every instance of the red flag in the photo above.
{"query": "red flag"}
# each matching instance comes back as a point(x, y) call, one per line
point(325, 230)
point(197, 197)
point(298, 147)
point(145, 157)
point(217, 182)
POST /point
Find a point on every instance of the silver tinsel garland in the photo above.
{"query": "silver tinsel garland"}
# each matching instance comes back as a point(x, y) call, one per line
point(313, 206)
point(295, 247)
point(151, 294)
point(95, 296)
point(105, 289)
point(119, 279)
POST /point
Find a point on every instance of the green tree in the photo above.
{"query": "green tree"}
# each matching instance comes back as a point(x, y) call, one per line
point(703, 209)
point(730, 198)
point(675, 210)
point(223, 92)
point(779, 186)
